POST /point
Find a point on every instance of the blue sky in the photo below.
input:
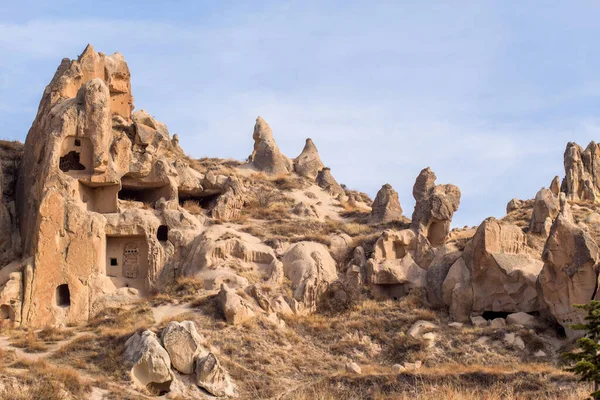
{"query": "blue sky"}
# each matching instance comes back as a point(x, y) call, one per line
point(486, 93)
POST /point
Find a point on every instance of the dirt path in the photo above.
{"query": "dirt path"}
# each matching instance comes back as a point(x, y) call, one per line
point(5, 344)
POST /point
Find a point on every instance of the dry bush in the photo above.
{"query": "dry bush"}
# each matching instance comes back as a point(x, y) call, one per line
point(119, 321)
point(339, 297)
point(193, 207)
point(217, 165)
point(47, 381)
point(28, 341)
point(185, 288)
point(54, 334)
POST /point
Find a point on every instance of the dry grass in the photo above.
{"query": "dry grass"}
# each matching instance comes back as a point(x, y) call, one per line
point(217, 165)
point(193, 207)
point(184, 289)
point(28, 341)
point(45, 381)
point(52, 334)
point(119, 321)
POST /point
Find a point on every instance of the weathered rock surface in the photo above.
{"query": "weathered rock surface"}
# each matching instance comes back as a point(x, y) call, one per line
point(308, 163)
point(310, 268)
point(570, 272)
point(435, 205)
point(184, 345)
point(266, 156)
point(545, 210)
point(582, 174)
point(211, 376)
point(437, 272)
point(237, 310)
point(149, 361)
point(326, 181)
point(386, 206)
point(503, 273)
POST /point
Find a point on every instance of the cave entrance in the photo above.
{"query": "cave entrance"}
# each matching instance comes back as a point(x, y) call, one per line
point(495, 314)
point(76, 154)
point(99, 198)
point(71, 162)
point(6, 312)
point(148, 195)
point(127, 261)
point(63, 296)
point(436, 233)
point(191, 201)
point(162, 234)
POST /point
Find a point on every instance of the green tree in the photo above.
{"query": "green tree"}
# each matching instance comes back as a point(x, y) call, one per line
point(586, 359)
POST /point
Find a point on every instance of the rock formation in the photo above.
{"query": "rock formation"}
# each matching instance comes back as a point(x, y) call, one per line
point(98, 194)
point(310, 268)
point(266, 156)
point(545, 209)
point(434, 208)
point(386, 206)
point(499, 263)
point(570, 272)
point(308, 163)
point(326, 181)
point(582, 172)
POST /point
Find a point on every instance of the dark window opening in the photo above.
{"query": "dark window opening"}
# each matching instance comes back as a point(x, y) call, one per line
point(63, 296)
point(77, 142)
point(71, 162)
point(162, 233)
point(495, 314)
point(146, 195)
point(206, 202)
point(113, 262)
point(159, 389)
point(6, 312)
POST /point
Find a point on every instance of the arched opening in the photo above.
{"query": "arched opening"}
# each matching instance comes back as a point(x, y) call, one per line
point(71, 162)
point(63, 296)
point(162, 233)
point(436, 233)
point(159, 389)
point(6, 312)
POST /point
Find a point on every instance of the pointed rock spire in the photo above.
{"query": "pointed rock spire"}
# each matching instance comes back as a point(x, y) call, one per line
point(386, 206)
point(266, 156)
point(308, 163)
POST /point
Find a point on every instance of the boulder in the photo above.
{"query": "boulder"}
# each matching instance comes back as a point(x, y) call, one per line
point(211, 376)
point(311, 269)
point(353, 367)
point(479, 321)
point(435, 205)
point(521, 318)
point(149, 361)
point(545, 209)
point(229, 205)
point(503, 273)
point(513, 205)
point(236, 309)
point(386, 206)
point(303, 210)
point(308, 163)
point(497, 323)
point(437, 272)
point(457, 291)
point(570, 272)
point(421, 327)
point(184, 345)
point(266, 156)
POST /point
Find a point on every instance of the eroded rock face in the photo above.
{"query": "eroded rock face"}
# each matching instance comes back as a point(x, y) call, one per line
point(308, 163)
point(211, 376)
point(545, 210)
point(503, 273)
point(150, 363)
point(582, 172)
point(434, 208)
point(326, 181)
point(266, 156)
point(457, 291)
point(437, 272)
point(310, 268)
point(386, 206)
point(184, 345)
point(98, 194)
point(236, 309)
point(570, 272)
